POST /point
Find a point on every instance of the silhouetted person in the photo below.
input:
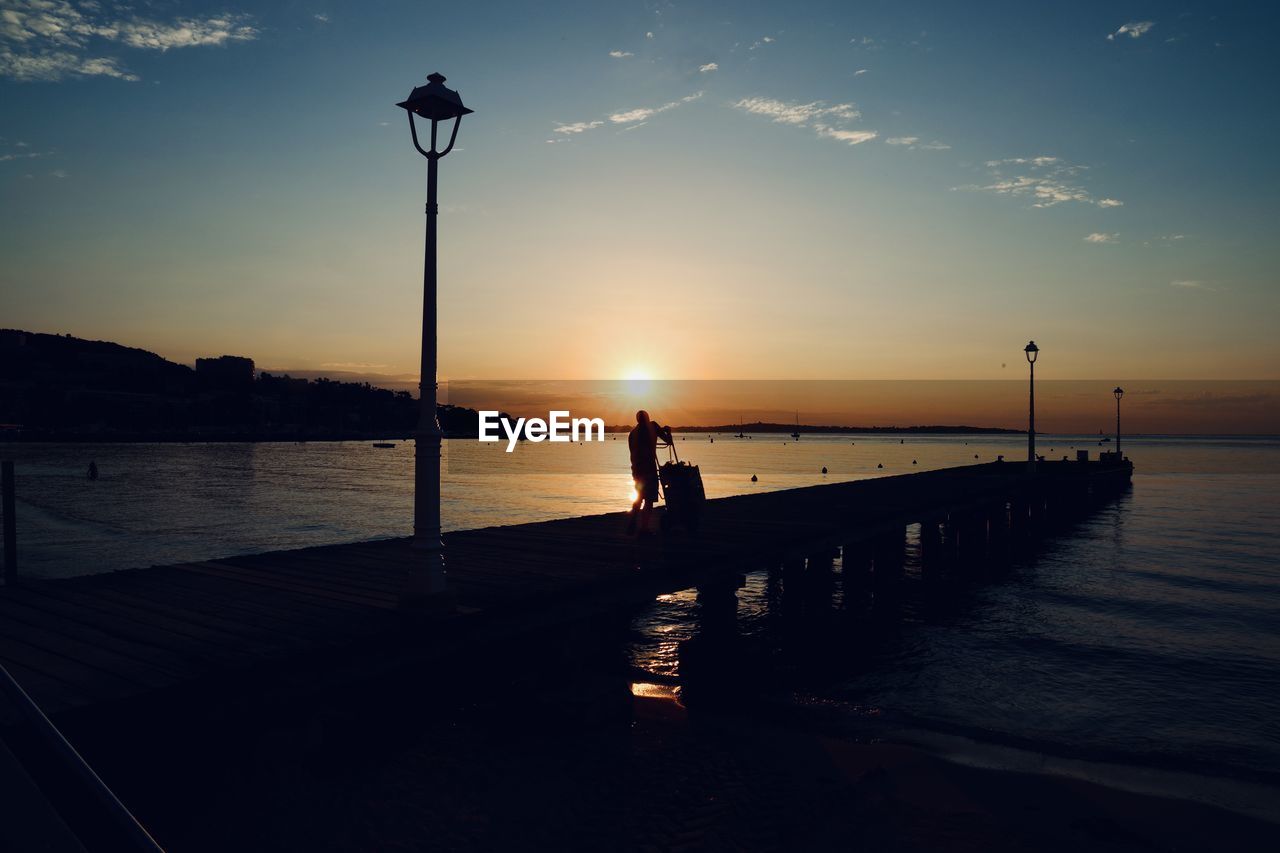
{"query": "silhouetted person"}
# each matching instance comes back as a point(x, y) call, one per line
point(93, 470)
point(643, 444)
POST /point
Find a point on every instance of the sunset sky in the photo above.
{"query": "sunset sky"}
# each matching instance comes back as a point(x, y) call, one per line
point(702, 190)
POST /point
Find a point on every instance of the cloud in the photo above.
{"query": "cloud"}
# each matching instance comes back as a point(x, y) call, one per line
point(23, 155)
point(826, 121)
point(324, 19)
point(762, 42)
point(853, 137)
point(797, 114)
point(577, 127)
point(710, 66)
point(633, 118)
point(57, 64)
point(60, 173)
point(1133, 29)
point(1047, 181)
point(185, 32)
point(648, 35)
point(1192, 284)
point(644, 113)
point(1100, 237)
point(620, 54)
point(47, 40)
point(913, 143)
point(859, 72)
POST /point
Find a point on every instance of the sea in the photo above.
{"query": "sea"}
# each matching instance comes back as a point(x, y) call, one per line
point(1139, 648)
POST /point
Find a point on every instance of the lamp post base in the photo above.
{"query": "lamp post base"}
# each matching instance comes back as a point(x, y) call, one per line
point(426, 588)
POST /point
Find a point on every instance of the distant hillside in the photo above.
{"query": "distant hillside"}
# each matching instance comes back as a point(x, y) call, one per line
point(60, 387)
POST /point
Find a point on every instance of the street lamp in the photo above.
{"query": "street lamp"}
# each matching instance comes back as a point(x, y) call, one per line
point(435, 103)
point(1119, 392)
point(1032, 352)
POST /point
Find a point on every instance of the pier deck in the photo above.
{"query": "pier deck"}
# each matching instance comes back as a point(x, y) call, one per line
point(215, 630)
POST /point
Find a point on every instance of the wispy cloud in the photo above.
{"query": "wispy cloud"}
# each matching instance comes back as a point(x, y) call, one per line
point(762, 42)
point(853, 137)
point(709, 67)
point(631, 118)
point(645, 113)
point(577, 127)
point(1194, 284)
point(859, 72)
point(1133, 29)
point(797, 114)
point(913, 143)
point(23, 155)
point(322, 18)
point(620, 54)
point(1047, 181)
point(53, 39)
point(826, 121)
point(1101, 237)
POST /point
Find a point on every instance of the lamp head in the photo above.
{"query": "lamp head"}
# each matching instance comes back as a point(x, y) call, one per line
point(1032, 351)
point(1119, 392)
point(434, 100)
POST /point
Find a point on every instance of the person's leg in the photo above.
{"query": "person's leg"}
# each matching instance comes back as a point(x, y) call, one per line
point(635, 507)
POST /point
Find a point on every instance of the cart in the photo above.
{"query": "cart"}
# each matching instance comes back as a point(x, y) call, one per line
point(682, 490)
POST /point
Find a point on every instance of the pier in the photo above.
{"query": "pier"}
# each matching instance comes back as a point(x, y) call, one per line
point(116, 648)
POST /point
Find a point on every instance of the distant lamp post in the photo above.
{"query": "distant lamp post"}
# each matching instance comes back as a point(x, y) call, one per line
point(1119, 392)
point(1032, 352)
point(435, 103)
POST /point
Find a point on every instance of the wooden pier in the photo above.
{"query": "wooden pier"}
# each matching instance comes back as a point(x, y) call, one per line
point(216, 633)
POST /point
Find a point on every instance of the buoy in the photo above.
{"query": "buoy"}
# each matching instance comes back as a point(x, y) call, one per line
point(975, 456)
point(881, 465)
point(754, 478)
point(824, 469)
point(913, 461)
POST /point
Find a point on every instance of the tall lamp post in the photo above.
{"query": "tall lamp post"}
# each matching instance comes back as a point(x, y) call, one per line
point(1119, 392)
point(435, 103)
point(1032, 352)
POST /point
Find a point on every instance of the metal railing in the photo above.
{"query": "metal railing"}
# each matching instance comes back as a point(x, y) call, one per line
point(90, 809)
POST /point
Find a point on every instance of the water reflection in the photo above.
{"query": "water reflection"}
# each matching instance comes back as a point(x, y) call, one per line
point(806, 622)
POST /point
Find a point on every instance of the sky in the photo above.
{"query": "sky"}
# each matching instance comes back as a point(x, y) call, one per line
point(880, 190)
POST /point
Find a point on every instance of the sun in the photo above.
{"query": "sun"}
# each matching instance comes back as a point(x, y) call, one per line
point(637, 374)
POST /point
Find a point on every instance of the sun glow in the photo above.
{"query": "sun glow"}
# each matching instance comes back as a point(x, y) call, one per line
point(637, 374)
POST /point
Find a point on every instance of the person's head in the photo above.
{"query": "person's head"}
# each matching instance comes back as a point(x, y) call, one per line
point(642, 417)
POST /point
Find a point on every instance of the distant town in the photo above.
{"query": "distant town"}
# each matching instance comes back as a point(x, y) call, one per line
point(63, 388)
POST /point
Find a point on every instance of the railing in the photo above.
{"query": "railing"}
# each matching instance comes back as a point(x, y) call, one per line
point(93, 813)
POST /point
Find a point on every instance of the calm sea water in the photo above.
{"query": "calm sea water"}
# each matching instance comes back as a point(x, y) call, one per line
point(1149, 635)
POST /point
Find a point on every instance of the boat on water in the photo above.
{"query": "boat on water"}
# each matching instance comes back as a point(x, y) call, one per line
point(740, 434)
point(796, 434)
point(383, 444)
